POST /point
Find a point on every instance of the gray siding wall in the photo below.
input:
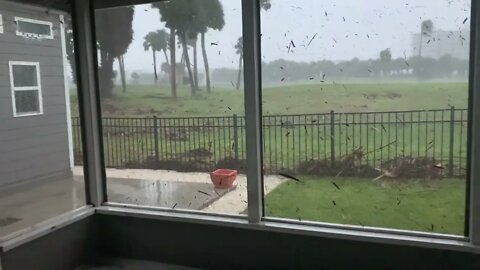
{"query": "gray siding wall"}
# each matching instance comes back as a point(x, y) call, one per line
point(32, 147)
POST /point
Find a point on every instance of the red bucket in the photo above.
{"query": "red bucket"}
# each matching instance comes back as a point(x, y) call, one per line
point(223, 178)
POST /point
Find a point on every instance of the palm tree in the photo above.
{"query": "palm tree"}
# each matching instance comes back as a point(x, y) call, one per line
point(426, 29)
point(121, 68)
point(173, 63)
point(181, 16)
point(192, 42)
point(115, 33)
point(239, 50)
point(213, 19)
point(183, 40)
point(190, 17)
point(157, 41)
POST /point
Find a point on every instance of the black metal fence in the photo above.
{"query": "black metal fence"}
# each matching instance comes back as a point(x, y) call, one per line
point(203, 143)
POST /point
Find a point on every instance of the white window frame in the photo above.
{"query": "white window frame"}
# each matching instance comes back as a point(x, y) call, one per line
point(30, 35)
point(26, 88)
point(1, 24)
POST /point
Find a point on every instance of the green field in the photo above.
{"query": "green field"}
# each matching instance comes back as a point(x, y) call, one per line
point(433, 206)
point(141, 101)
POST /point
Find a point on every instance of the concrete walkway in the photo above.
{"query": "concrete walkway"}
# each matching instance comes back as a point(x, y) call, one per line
point(31, 204)
point(233, 202)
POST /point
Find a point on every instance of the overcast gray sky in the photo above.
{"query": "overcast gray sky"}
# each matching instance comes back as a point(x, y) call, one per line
point(344, 29)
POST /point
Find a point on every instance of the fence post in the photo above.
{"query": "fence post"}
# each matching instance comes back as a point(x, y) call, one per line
point(155, 135)
point(452, 141)
point(332, 138)
point(235, 137)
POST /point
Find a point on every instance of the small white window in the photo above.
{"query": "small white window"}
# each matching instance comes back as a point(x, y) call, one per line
point(1, 24)
point(26, 88)
point(33, 28)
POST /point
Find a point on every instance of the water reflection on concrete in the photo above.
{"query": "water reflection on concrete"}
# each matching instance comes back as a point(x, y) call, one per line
point(27, 205)
point(172, 194)
point(30, 204)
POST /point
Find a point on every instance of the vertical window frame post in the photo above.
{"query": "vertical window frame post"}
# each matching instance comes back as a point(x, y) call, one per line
point(473, 170)
point(89, 101)
point(253, 110)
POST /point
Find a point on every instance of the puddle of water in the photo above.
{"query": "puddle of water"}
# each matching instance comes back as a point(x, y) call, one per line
point(184, 195)
point(4, 222)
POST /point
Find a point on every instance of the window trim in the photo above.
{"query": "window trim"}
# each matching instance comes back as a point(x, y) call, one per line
point(472, 205)
point(28, 35)
point(1, 24)
point(25, 88)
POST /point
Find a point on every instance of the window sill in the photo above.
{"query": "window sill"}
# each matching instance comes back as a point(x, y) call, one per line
point(28, 114)
point(341, 232)
point(382, 236)
point(43, 228)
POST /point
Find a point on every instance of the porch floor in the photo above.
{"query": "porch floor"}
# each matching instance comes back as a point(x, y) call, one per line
point(34, 203)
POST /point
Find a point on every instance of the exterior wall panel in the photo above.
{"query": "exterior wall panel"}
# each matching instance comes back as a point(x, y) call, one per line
point(32, 147)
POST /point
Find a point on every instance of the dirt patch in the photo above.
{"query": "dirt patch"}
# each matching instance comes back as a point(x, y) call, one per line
point(150, 111)
point(195, 160)
point(399, 168)
point(370, 96)
point(315, 167)
point(170, 165)
point(195, 154)
point(158, 96)
point(393, 95)
point(409, 167)
point(110, 108)
point(8, 221)
point(232, 164)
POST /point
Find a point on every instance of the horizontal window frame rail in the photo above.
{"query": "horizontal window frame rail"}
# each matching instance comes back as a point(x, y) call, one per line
point(308, 223)
point(339, 232)
point(345, 232)
point(160, 209)
point(371, 229)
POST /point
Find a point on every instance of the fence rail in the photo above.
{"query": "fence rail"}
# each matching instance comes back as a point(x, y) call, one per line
point(203, 143)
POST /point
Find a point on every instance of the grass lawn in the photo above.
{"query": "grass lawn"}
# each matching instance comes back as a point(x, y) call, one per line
point(435, 205)
point(140, 101)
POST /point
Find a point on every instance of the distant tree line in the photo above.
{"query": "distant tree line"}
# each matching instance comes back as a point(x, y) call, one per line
point(384, 67)
point(414, 67)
